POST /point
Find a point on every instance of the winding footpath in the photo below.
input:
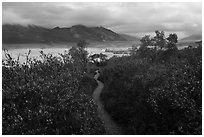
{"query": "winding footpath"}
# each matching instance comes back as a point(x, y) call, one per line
point(110, 126)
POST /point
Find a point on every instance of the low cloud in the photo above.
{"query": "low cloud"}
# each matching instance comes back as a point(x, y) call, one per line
point(129, 18)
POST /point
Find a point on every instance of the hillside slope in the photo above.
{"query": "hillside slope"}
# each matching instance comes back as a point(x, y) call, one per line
point(37, 34)
point(195, 37)
point(129, 37)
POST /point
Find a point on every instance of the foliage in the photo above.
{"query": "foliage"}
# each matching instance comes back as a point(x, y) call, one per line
point(87, 85)
point(172, 40)
point(151, 48)
point(99, 59)
point(47, 97)
point(146, 41)
point(79, 56)
point(156, 92)
point(158, 42)
point(159, 39)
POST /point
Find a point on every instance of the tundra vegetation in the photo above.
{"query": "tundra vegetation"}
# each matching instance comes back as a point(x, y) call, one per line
point(52, 96)
point(155, 90)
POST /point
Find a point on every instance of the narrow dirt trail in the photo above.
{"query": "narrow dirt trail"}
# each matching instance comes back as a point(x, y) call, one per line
point(110, 126)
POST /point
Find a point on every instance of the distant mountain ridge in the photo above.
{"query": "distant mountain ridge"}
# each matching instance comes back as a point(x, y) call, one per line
point(195, 37)
point(37, 34)
point(129, 37)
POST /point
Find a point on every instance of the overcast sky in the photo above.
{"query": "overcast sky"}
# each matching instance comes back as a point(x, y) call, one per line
point(131, 18)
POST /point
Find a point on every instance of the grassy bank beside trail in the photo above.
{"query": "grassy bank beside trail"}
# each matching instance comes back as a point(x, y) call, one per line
point(155, 91)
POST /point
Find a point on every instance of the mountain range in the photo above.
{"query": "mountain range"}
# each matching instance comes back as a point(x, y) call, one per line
point(36, 34)
point(195, 37)
point(129, 37)
point(16, 34)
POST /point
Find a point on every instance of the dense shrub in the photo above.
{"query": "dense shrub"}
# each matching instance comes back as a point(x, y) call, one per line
point(47, 97)
point(155, 94)
point(87, 85)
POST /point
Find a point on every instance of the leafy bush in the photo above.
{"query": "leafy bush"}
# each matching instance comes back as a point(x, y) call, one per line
point(87, 85)
point(155, 96)
point(43, 97)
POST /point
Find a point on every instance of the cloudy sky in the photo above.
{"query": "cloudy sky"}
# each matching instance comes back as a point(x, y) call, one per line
point(134, 18)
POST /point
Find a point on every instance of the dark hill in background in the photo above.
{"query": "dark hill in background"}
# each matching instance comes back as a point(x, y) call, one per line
point(195, 37)
point(36, 34)
point(192, 40)
point(129, 37)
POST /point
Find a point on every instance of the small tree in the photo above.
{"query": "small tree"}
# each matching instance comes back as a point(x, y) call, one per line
point(79, 55)
point(159, 39)
point(144, 50)
point(146, 41)
point(172, 40)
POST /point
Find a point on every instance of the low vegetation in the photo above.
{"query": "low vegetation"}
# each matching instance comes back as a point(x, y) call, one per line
point(156, 90)
point(52, 96)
